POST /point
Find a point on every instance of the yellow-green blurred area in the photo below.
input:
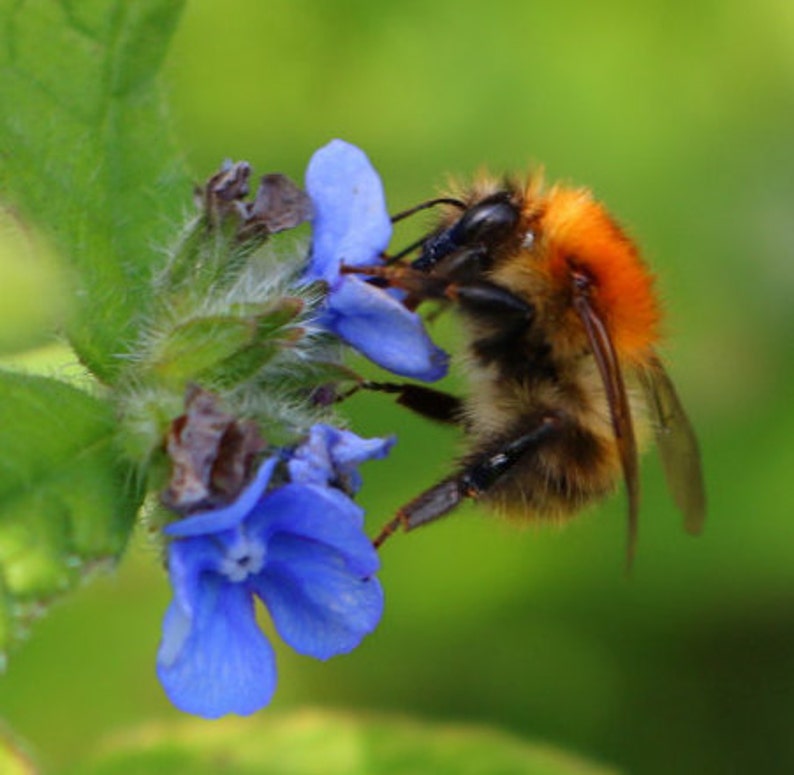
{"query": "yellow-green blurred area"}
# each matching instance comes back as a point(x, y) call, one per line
point(680, 116)
point(32, 297)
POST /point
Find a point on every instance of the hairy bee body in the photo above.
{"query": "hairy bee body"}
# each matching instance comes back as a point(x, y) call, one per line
point(548, 369)
point(561, 320)
point(580, 465)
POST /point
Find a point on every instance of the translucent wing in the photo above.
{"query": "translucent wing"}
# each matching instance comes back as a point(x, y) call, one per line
point(678, 447)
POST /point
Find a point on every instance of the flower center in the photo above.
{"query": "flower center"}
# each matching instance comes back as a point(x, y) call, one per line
point(246, 558)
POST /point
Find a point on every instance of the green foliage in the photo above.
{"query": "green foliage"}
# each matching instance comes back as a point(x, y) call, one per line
point(32, 290)
point(84, 158)
point(14, 759)
point(231, 347)
point(322, 743)
point(66, 503)
point(84, 154)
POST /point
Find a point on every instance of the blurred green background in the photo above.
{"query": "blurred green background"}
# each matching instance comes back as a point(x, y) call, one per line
point(681, 117)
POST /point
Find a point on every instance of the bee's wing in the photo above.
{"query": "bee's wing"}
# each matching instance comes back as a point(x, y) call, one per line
point(609, 368)
point(678, 447)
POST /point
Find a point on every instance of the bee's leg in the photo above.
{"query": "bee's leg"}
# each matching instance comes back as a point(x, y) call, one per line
point(506, 315)
point(424, 401)
point(472, 481)
point(417, 283)
point(480, 298)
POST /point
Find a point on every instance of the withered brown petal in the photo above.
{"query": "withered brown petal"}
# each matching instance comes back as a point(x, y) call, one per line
point(231, 182)
point(223, 193)
point(280, 204)
point(239, 446)
point(212, 454)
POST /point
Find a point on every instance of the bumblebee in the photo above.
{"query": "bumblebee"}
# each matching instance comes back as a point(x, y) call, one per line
point(561, 323)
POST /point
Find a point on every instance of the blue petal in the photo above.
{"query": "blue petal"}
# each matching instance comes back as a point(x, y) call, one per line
point(317, 515)
point(228, 516)
point(383, 330)
point(351, 223)
point(311, 462)
point(223, 663)
point(188, 560)
point(349, 450)
point(331, 453)
point(318, 606)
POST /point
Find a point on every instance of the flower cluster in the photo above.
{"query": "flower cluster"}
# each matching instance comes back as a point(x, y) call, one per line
point(298, 547)
point(292, 537)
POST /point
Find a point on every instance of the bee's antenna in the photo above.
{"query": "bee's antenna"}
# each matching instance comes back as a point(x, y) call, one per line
point(392, 259)
point(428, 204)
point(416, 209)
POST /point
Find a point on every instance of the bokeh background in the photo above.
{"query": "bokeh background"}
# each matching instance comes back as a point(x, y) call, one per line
point(680, 115)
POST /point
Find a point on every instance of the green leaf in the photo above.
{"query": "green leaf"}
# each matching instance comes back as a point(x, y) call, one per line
point(198, 344)
point(228, 347)
point(85, 152)
point(323, 743)
point(67, 505)
point(271, 333)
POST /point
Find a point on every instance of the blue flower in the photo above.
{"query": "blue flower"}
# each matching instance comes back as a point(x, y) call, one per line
point(351, 225)
point(332, 456)
point(300, 548)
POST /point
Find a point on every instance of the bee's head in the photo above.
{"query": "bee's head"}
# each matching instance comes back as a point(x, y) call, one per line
point(467, 244)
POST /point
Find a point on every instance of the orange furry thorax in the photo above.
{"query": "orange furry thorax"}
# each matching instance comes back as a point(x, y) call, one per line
point(577, 233)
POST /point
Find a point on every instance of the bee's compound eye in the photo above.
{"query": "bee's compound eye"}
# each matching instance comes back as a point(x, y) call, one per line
point(486, 221)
